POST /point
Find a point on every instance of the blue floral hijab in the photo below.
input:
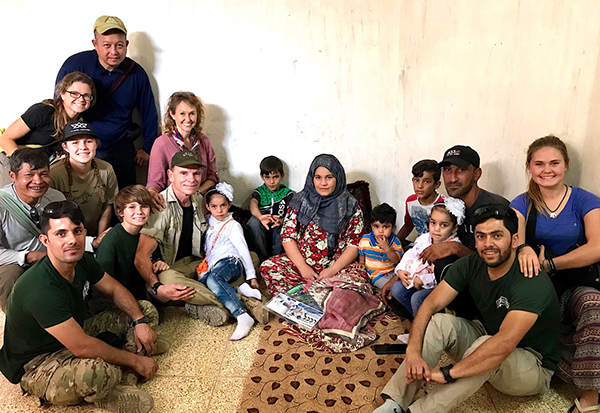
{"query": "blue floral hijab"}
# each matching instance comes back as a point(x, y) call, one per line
point(332, 212)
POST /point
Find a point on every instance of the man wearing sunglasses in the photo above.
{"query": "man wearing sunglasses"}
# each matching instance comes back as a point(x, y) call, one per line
point(515, 347)
point(52, 351)
point(122, 86)
point(21, 203)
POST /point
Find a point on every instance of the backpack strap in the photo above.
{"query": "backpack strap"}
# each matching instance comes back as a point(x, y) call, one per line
point(531, 221)
point(217, 236)
point(127, 70)
point(18, 213)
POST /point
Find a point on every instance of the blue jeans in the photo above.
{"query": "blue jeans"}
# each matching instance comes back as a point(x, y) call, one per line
point(411, 298)
point(266, 242)
point(217, 280)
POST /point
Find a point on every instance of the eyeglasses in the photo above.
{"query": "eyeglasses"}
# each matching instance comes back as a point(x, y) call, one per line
point(77, 95)
point(35, 216)
point(59, 206)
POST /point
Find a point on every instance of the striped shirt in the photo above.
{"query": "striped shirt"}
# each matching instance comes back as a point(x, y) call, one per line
point(377, 262)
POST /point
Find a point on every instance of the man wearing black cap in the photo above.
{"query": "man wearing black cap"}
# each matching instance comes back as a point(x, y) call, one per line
point(122, 85)
point(516, 346)
point(177, 231)
point(461, 172)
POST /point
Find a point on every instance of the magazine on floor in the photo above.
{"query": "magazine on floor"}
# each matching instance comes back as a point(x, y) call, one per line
point(297, 306)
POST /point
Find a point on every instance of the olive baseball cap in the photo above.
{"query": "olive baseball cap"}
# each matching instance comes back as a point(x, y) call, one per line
point(185, 158)
point(106, 23)
point(461, 155)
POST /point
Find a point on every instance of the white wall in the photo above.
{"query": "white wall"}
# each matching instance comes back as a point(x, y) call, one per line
point(379, 83)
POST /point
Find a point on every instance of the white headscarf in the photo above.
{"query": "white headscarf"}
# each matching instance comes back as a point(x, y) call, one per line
point(456, 207)
point(224, 189)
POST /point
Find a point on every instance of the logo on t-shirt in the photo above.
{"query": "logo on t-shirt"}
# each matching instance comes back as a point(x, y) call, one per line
point(502, 302)
point(86, 289)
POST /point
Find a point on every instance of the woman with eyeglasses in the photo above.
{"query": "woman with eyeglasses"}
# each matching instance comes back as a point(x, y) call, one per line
point(43, 123)
point(559, 229)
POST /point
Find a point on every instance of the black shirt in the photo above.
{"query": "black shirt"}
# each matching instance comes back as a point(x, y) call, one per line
point(185, 239)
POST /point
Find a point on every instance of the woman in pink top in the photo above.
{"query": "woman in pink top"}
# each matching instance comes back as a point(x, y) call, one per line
point(183, 121)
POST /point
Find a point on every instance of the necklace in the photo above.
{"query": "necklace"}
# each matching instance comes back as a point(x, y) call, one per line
point(553, 212)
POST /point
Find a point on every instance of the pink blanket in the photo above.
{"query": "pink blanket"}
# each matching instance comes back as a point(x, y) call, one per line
point(348, 305)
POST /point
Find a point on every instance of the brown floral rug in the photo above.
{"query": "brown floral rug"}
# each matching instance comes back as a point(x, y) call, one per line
point(288, 375)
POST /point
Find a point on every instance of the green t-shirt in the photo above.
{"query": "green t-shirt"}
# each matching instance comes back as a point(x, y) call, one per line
point(273, 202)
point(116, 255)
point(42, 298)
point(513, 291)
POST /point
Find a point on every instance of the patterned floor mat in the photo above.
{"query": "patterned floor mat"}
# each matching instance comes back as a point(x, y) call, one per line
point(288, 375)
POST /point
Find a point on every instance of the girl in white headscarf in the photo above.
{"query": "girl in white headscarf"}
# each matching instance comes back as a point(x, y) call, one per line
point(414, 278)
point(227, 258)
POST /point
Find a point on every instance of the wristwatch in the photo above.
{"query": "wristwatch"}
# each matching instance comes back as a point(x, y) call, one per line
point(446, 372)
point(154, 288)
point(143, 320)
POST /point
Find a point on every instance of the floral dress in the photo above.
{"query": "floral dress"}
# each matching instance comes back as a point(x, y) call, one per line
point(280, 273)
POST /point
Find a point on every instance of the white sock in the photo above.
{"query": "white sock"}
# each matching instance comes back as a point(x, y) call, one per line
point(244, 324)
point(249, 292)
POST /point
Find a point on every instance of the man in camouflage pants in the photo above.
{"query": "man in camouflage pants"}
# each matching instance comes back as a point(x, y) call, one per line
point(51, 351)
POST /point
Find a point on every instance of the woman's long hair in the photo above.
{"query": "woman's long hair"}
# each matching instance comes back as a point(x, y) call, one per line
point(192, 100)
point(60, 114)
point(533, 189)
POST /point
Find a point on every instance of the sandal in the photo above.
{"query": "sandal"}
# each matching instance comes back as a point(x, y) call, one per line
point(577, 405)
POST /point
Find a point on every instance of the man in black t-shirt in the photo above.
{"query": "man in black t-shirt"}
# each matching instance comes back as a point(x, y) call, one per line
point(515, 348)
point(50, 350)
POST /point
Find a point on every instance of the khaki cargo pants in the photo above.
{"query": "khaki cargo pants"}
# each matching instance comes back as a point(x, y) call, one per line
point(63, 379)
point(520, 374)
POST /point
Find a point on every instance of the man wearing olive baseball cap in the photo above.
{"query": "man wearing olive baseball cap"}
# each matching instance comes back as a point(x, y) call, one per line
point(122, 86)
point(177, 232)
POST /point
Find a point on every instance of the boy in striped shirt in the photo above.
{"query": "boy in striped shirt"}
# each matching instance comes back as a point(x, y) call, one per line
point(380, 250)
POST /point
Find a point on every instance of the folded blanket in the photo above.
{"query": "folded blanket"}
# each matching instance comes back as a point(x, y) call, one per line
point(348, 304)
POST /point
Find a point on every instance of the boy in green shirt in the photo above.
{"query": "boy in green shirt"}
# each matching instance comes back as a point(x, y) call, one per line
point(268, 207)
point(116, 252)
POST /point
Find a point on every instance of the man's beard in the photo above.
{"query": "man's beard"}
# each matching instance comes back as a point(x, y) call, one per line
point(501, 258)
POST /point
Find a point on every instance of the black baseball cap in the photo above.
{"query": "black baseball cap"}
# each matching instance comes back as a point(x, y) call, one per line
point(77, 129)
point(461, 155)
point(186, 158)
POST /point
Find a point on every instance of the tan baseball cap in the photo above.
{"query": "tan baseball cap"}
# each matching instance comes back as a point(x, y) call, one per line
point(106, 23)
